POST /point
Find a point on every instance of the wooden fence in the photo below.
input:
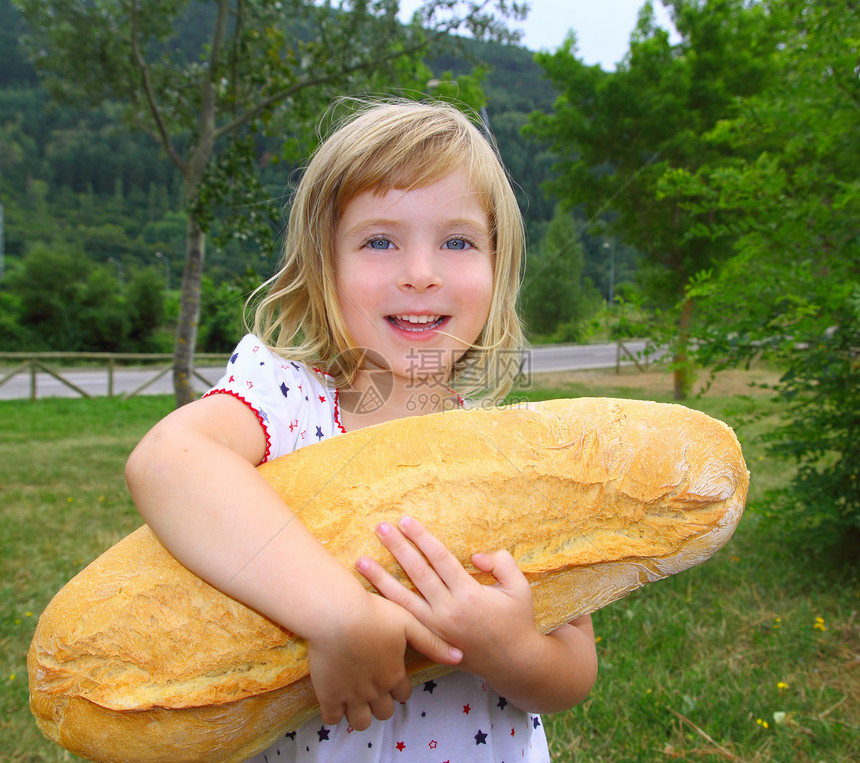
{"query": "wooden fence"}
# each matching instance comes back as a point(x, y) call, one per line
point(33, 363)
point(622, 351)
point(59, 364)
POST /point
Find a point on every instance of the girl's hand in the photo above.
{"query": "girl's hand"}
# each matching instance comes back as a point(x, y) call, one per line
point(357, 667)
point(492, 624)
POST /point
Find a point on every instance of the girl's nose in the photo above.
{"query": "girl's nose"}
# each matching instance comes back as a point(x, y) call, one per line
point(420, 270)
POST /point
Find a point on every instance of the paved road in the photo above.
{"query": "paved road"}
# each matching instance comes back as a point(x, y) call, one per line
point(95, 381)
point(578, 357)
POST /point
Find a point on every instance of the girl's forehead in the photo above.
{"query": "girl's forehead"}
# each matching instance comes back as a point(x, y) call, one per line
point(451, 197)
point(457, 183)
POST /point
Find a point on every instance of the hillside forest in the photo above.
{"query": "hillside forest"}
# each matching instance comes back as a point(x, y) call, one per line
point(95, 217)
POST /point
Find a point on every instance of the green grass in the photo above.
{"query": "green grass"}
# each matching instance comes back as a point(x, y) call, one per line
point(725, 662)
point(63, 501)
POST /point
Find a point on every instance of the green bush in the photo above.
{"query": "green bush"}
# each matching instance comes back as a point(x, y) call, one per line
point(821, 391)
point(57, 298)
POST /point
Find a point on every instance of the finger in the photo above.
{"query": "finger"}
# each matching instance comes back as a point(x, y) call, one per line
point(422, 574)
point(426, 642)
point(504, 569)
point(382, 708)
point(443, 562)
point(390, 587)
point(358, 715)
point(331, 713)
point(403, 691)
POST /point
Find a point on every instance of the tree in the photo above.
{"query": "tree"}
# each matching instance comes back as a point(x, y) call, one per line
point(260, 67)
point(790, 200)
point(557, 300)
point(617, 134)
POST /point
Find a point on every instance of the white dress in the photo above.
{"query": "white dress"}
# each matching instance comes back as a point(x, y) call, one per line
point(453, 719)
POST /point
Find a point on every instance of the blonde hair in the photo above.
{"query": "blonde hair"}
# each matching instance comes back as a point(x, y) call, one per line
point(392, 145)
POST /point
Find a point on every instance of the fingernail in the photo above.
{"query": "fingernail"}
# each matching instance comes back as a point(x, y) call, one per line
point(456, 654)
point(405, 522)
point(383, 528)
point(363, 564)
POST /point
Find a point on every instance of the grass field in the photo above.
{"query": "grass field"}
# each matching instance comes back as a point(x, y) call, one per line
point(752, 656)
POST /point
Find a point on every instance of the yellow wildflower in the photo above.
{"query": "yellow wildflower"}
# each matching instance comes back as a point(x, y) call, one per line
point(782, 685)
point(819, 624)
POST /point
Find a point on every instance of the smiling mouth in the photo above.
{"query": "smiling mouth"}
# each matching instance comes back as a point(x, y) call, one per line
point(416, 323)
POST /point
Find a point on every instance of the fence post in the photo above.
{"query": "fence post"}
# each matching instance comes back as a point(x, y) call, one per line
point(110, 377)
point(32, 380)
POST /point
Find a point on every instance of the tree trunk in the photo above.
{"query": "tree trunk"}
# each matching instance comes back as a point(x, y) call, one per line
point(683, 376)
point(195, 235)
point(189, 313)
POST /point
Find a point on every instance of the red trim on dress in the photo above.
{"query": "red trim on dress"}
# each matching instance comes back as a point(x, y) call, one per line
point(222, 391)
point(337, 410)
point(337, 420)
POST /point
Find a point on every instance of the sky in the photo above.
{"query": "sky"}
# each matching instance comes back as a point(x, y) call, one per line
point(602, 26)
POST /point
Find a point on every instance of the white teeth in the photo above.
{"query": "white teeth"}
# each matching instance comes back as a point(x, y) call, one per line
point(418, 318)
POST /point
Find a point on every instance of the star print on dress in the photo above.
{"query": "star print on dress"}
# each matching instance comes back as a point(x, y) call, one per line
point(234, 357)
point(467, 709)
point(285, 390)
point(400, 746)
point(480, 737)
point(429, 686)
point(535, 721)
point(319, 433)
point(502, 703)
point(323, 733)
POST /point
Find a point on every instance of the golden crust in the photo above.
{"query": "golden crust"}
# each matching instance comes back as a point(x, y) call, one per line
point(594, 498)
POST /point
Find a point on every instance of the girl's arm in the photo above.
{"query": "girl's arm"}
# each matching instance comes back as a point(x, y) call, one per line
point(193, 479)
point(492, 624)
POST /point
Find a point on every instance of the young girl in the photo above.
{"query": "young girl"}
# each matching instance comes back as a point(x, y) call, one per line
point(396, 297)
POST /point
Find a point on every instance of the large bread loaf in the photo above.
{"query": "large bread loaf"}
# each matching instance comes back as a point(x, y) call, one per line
point(136, 659)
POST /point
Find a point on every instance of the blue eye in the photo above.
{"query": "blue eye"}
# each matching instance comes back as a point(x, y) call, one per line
point(457, 244)
point(380, 244)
